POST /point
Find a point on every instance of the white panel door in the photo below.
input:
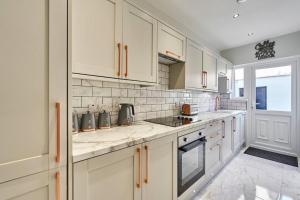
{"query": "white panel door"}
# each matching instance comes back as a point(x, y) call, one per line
point(112, 176)
point(210, 71)
point(159, 169)
point(193, 66)
point(139, 45)
point(33, 78)
point(48, 185)
point(96, 37)
point(274, 106)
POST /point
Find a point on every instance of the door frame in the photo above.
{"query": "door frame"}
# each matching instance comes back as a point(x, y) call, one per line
point(249, 70)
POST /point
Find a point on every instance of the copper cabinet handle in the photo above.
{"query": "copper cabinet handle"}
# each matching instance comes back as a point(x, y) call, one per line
point(146, 180)
point(172, 53)
point(119, 59)
point(234, 124)
point(57, 186)
point(126, 64)
point(57, 105)
point(223, 129)
point(204, 77)
point(138, 183)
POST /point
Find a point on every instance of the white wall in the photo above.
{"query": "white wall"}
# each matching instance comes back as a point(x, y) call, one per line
point(285, 46)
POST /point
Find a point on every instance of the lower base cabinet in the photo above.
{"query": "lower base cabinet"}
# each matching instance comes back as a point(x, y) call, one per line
point(145, 171)
point(48, 185)
point(227, 150)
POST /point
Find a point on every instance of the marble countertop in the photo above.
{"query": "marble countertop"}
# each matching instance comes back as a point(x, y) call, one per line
point(91, 144)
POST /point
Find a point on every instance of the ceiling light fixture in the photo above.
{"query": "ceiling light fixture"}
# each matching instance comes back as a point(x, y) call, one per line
point(241, 1)
point(250, 34)
point(236, 15)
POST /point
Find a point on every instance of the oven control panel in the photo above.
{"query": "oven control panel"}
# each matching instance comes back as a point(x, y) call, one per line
point(191, 137)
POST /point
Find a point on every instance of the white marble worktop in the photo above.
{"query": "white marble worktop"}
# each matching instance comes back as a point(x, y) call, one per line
point(91, 144)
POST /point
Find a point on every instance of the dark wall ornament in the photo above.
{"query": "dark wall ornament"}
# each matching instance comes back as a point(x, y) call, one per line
point(265, 50)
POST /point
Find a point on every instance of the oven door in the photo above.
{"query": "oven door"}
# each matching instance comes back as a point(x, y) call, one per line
point(191, 164)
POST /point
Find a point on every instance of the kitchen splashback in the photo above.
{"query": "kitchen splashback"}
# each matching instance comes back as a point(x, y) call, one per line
point(149, 102)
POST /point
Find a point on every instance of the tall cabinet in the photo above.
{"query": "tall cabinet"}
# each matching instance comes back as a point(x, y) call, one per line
point(33, 85)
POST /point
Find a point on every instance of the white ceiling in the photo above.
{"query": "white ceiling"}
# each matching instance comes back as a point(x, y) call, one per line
point(213, 20)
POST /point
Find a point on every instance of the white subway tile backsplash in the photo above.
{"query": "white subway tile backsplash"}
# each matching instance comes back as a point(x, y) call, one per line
point(82, 91)
point(102, 92)
point(150, 102)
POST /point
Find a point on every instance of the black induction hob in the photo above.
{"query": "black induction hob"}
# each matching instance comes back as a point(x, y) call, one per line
point(171, 121)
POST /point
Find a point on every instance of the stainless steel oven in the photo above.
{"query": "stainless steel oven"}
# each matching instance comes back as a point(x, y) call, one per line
point(191, 159)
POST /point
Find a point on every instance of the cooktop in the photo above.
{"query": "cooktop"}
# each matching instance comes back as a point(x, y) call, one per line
point(172, 121)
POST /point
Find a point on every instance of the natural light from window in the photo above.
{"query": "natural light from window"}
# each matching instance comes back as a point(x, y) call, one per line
point(239, 82)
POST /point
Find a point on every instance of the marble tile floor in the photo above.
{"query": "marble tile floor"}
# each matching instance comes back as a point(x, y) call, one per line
point(251, 178)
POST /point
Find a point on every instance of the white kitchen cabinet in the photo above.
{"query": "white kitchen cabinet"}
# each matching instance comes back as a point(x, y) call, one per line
point(188, 75)
point(227, 150)
point(229, 76)
point(238, 131)
point(159, 169)
point(33, 85)
point(222, 67)
point(171, 43)
point(210, 71)
point(146, 171)
point(112, 176)
point(48, 185)
point(139, 45)
point(213, 149)
point(193, 65)
point(113, 39)
point(97, 37)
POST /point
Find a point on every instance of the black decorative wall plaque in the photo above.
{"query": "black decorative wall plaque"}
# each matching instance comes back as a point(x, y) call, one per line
point(265, 50)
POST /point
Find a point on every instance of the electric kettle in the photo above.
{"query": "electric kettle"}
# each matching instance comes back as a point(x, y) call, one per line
point(126, 113)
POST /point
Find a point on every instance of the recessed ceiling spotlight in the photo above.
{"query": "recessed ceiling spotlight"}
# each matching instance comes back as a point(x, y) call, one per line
point(236, 15)
point(241, 1)
point(250, 34)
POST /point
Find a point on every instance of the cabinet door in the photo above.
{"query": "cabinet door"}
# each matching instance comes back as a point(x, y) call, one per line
point(171, 43)
point(229, 76)
point(236, 133)
point(210, 67)
point(227, 139)
point(96, 33)
point(242, 129)
point(193, 66)
point(139, 45)
point(110, 177)
point(212, 157)
point(33, 54)
point(159, 169)
point(222, 67)
point(48, 185)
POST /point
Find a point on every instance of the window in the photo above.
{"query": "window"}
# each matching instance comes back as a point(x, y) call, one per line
point(273, 88)
point(239, 82)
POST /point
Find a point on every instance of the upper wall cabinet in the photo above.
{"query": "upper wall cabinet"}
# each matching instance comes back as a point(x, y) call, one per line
point(171, 43)
point(222, 67)
point(139, 45)
point(113, 39)
point(210, 71)
point(96, 37)
point(188, 75)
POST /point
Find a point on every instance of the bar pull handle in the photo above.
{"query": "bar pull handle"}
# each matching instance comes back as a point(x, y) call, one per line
point(58, 186)
point(146, 180)
point(126, 64)
point(138, 183)
point(119, 59)
point(223, 129)
point(172, 53)
point(58, 139)
point(204, 77)
point(234, 124)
